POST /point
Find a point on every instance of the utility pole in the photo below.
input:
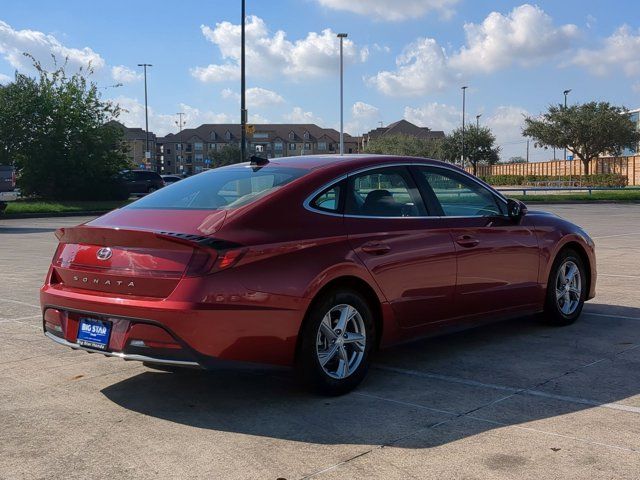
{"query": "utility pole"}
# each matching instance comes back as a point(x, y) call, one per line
point(341, 36)
point(180, 124)
point(464, 98)
point(147, 153)
point(243, 105)
point(527, 151)
point(566, 92)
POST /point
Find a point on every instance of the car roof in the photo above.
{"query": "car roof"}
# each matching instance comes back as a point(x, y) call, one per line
point(313, 162)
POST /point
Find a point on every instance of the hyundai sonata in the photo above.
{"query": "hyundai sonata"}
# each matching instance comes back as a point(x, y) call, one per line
point(312, 262)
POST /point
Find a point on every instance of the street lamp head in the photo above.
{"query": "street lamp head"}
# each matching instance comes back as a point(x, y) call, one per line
point(464, 88)
point(567, 92)
point(479, 115)
point(342, 35)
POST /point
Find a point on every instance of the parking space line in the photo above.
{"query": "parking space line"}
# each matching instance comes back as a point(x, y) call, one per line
point(3, 320)
point(619, 276)
point(19, 302)
point(617, 235)
point(609, 315)
point(515, 391)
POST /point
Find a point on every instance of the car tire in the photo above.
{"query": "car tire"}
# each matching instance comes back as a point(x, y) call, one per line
point(336, 342)
point(151, 190)
point(566, 289)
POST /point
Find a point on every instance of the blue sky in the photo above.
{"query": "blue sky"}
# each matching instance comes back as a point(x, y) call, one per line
point(404, 59)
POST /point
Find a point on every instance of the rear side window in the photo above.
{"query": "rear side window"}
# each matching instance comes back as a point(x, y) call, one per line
point(220, 188)
point(329, 200)
point(384, 192)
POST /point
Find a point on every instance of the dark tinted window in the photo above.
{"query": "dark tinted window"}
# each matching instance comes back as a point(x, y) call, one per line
point(220, 188)
point(460, 196)
point(384, 192)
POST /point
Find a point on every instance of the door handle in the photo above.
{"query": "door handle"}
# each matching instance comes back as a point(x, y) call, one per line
point(375, 248)
point(467, 241)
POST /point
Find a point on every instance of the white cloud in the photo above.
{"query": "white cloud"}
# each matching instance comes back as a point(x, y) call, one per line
point(364, 117)
point(257, 118)
point(636, 87)
point(124, 74)
point(257, 97)
point(421, 68)
point(161, 123)
point(271, 54)
point(5, 79)
point(14, 43)
point(298, 115)
point(525, 36)
point(436, 116)
point(619, 52)
point(392, 11)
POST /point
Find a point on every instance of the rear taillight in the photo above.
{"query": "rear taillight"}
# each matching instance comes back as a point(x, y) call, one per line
point(207, 261)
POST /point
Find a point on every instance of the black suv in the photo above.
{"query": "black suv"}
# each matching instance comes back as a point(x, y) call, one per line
point(141, 182)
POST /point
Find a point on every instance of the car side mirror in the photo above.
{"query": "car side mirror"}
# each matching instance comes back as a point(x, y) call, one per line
point(516, 209)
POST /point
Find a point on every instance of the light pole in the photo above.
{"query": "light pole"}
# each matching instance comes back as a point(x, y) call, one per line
point(147, 153)
point(464, 99)
point(478, 121)
point(243, 105)
point(341, 36)
point(566, 92)
point(180, 123)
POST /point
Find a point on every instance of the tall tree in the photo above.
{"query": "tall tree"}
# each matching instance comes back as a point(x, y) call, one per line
point(54, 129)
point(587, 130)
point(405, 145)
point(479, 146)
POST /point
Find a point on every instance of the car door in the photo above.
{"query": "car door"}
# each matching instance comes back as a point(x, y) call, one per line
point(497, 256)
point(409, 254)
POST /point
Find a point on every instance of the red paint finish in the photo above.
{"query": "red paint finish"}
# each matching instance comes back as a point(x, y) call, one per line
point(236, 284)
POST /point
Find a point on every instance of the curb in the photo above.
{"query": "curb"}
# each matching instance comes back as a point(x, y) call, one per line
point(53, 214)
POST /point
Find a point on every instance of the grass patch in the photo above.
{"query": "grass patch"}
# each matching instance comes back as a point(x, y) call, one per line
point(621, 195)
point(28, 206)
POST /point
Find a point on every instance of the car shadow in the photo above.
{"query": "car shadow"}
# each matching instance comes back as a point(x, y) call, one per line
point(410, 388)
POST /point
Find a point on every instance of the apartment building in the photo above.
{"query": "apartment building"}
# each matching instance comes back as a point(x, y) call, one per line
point(196, 149)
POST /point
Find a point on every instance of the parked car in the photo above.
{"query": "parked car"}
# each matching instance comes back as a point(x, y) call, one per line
point(141, 182)
point(7, 178)
point(169, 179)
point(312, 262)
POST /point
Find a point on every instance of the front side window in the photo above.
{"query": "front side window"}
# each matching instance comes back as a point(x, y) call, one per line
point(460, 196)
point(384, 192)
point(220, 188)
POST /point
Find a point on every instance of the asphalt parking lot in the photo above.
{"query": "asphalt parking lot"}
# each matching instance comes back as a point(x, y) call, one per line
point(509, 400)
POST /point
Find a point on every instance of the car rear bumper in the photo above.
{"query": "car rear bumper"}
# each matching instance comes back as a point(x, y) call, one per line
point(169, 332)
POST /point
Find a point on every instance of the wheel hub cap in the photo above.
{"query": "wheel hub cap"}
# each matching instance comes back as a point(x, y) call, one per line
point(568, 287)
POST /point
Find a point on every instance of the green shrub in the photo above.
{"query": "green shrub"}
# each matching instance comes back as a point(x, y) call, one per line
point(597, 180)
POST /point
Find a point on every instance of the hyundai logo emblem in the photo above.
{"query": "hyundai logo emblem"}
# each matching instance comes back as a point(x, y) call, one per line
point(104, 253)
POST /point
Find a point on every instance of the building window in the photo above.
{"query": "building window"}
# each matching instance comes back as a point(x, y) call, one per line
point(168, 151)
point(197, 146)
point(188, 147)
point(306, 135)
point(227, 135)
point(307, 146)
point(213, 136)
point(292, 146)
point(292, 135)
point(277, 146)
point(259, 148)
point(178, 146)
point(261, 135)
point(322, 146)
point(199, 157)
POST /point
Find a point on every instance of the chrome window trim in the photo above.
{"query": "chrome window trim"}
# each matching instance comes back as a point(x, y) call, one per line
point(307, 203)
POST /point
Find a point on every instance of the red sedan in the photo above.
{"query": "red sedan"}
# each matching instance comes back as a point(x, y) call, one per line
point(311, 262)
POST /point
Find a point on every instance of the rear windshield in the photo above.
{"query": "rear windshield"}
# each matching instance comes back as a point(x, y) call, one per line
point(221, 188)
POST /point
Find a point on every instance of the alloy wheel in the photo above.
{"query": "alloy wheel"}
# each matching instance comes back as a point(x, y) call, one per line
point(341, 341)
point(568, 287)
